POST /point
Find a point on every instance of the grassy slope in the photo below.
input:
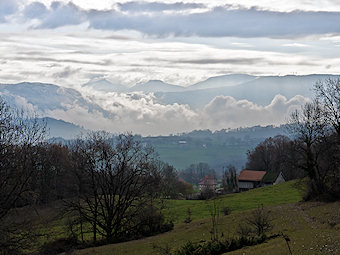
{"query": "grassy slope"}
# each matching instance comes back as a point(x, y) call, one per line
point(289, 192)
point(306, 224)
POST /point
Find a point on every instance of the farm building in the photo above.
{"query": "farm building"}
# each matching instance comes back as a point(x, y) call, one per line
point(250, 179)
point(207, 182)
point(273, 178)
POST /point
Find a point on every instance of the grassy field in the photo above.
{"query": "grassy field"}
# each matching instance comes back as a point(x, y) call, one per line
point(290, 192)
point(305, 223)
point(313, 228)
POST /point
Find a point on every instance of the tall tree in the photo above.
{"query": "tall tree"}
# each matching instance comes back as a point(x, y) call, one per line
point(119, 172)
point(310, 130)
point(328, 93)
point(20, 135)
point(229, 179)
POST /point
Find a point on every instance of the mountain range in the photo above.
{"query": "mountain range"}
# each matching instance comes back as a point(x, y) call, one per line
point(49, 99)
point(258, 89)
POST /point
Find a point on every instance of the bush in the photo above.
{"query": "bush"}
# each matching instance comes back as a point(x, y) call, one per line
point(259, 220)
point(207, 193)
point(59, 246)
point(219, 247)
point(226, 210)
point(188, 218)
point(243, 229)
point(152, 222)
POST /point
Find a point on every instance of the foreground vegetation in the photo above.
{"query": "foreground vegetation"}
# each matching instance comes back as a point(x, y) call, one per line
point(312, 227)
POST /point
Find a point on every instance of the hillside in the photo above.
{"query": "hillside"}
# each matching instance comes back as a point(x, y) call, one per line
point(304, 223)
point(218, 148)
point(62, 129)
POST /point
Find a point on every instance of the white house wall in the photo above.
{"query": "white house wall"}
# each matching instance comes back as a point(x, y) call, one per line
point(245, 185)
point(279, 179)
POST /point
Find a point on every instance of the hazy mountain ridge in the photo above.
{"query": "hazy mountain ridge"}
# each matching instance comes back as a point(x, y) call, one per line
point(217, 148)
point(156, 86)
point(105, 85)
point(43, 98)
point(62, 129)
point(222, 81)
point(260, 90)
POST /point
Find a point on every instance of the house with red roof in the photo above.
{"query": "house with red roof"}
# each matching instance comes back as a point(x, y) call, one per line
point(250, 179)
point(207, 182)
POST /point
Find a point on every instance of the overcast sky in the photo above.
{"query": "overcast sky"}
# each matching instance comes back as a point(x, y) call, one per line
point(181, 42)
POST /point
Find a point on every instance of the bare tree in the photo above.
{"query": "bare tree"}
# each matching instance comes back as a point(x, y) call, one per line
point(274, 155)
point(328, 93)
point(119, 171)
point(310, 129)
point(259, 220)
point(20, 135)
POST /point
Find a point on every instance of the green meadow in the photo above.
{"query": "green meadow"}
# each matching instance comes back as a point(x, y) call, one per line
point(313, 227)
point(304, 222)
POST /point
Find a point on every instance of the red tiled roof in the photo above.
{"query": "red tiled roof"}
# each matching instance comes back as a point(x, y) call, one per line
point(251, 175)
point(181, 180)
point(208, 180)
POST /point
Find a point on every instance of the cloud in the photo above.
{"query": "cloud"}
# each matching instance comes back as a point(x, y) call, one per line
point(35, 10)
point(7, 7)
point(66, 72)
point(235, 61)
point(140, 113)
point(157, 6)
point(226, 111)
point(57, 15)
point(136, 112)
point(153, 18)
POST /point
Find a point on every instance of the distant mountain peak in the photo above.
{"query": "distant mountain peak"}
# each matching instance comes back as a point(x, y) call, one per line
point(105, 85)
point(156, 86)
point(222, 81)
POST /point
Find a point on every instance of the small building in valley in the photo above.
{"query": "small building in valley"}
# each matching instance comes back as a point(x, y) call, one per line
point(250, 179)
point(207, 182)
point(273, 178)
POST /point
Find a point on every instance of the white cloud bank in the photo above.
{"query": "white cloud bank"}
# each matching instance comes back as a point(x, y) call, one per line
point(142, 114)
point(225, 111)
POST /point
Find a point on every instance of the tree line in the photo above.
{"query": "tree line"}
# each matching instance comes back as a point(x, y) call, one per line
point(314, 151)
point(110, 183)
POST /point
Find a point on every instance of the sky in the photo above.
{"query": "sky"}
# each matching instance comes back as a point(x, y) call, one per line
point(70, 43)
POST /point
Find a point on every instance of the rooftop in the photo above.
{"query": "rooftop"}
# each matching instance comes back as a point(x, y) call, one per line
point(251, 175)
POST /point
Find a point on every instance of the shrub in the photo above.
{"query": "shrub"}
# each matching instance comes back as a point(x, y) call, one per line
point(226, 210)
point(188, 218)
point(59, 246)
point(259, 220)
point(207, 193)
point(243, 229)
point(152, 222)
